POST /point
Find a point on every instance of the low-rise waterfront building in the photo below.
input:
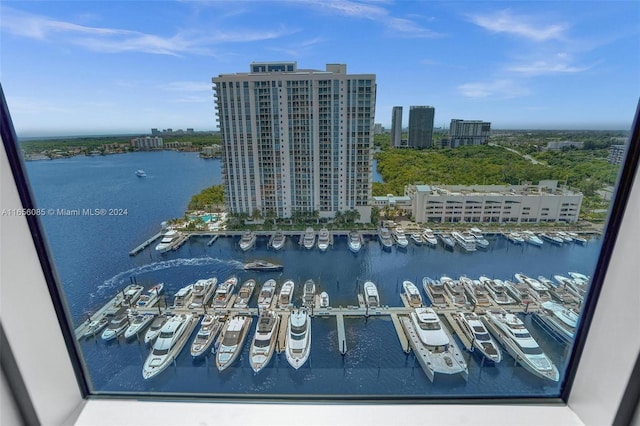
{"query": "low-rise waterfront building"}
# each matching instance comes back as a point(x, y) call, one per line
point(147, 142)
point(211, 151)
point(544, 202)
point(402, 202)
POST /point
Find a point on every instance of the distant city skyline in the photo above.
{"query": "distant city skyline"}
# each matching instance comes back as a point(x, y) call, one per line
point(72, 68)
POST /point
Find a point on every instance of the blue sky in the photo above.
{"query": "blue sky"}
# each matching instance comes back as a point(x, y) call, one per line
point(94, 67)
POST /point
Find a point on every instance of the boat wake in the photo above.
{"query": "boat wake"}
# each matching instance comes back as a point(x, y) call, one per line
point(123, 278)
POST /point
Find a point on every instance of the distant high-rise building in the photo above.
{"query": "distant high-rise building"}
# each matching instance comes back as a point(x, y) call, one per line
point(296, 140)
point(377, 129)
point(396, 126)
point(421, 126)
point(616, 154)
point(468, 132)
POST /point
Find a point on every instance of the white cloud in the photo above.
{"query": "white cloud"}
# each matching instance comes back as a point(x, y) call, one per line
point(188, 86)
point(501, 89)
point(560, 63)
point(523, 26)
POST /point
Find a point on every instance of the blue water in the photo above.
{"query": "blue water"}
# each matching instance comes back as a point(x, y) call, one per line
point(92, 262)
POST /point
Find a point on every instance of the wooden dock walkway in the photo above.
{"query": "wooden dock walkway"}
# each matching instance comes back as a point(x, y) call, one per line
point(281, 343)
point(404, 343)
point(145, 244)
point(342, 339)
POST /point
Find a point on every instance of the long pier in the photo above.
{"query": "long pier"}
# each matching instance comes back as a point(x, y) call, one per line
point(145, 244)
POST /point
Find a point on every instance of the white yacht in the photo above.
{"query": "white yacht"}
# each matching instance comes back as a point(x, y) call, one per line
point(417, 239)
point(141, 173)
point(399, 237)
point(576, 288)
point(298, 338)
point(285, 298)
point(515, 237)
point(433, 345)
point(565, 236)
point(355, 241)
point(130, 295)
point(150, 297)
point(277, 240)
point(309, 238)
point(552, 238)
point(183, 297)
point(531, 238)
point(266, 294)
point(137, 324)
point(371, 297)
point(478, 295)
point(263, 265)
point(447, 241)
point(202, 291)
point(385, 238)
point(497, 290)
point(169, 240)
point(577, 238)
point(559, 320)
point(209, 328)
point(481, 241)
point(464, 240)
point(264, 340)
point(560, 293)
point(539, 291)
point(455, 291)
point(516, 339)
point(324, 299)
point(244, 294)
point(435, 292)
point(324, 238)
point(155, 328)
point(519, 291)
point(412, 294)
point(581, 279)
point(473, 328)
point(117, 325)
point(224, 292)
point(429, 237)
point(234, 334)
point(309, 293)
point(247, 241)
point(167, 347)
point(95, 327)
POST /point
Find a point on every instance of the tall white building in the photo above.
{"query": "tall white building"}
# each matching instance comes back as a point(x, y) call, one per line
point(296, 140)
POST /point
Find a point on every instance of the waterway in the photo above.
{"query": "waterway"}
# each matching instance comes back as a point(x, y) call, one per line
point(92, 263)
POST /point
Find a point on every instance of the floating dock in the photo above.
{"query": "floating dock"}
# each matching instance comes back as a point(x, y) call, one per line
point(342, 339)
point(145, 244)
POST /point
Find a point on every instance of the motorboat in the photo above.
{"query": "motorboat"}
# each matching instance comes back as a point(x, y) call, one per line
point(324, 238)
point(565, 236)
point(539, 291)
point(371, 297)
point(209, 328)
point(464, 240)
point(455, 291)
point(130, 295)
point(531, 238)
point(298, 338)
point(117, 325)
point(265, 296)
point(172, 338)
point(234, 334)
point(95, 326)
point(285, 298)
point(577, 238)
point(560, 293)
point(137, 324)
point(558, 320)
point(309, 293)
point(244, 294)
point(417, 239)
point(141, 173)
point(515, 237)
point(412, 294)
point(550, 237)
point(435, 292)
point(478, 295)
point(481, 241)
point(224, 292)
point(497, 290)
point(385, 238)
point(447, 240)
point(473, 328)
point(277, 240)
point(202, 291)
point(510, 331)
point(262, 265)
point(519, 291)
point(571, 286)
point(309, 238)
point(324, 299)
point(247, 241)
point(154, 330)
point(169, 241)
point(264, 340)
point(580, 278)
point(400, 238)
point(429, 237)
point(435, 349)
point(355, 241)
point(183, 297)
point(150, 297)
